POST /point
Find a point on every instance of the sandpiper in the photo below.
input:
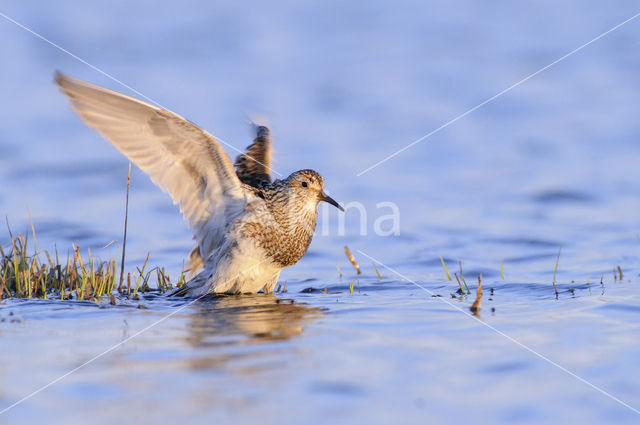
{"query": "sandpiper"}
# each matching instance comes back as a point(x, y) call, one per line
point(247, 227)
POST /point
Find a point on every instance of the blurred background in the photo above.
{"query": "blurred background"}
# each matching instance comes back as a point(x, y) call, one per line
point(551, 163)
point(343, 87)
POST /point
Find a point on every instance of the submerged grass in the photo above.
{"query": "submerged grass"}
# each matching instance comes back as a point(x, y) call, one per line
point(377, 272)
point(462, 278)
point(475, 307)
point(446, 270)
point(41, 275)
point(126, 219)
point(459, 284)
point(555, 270)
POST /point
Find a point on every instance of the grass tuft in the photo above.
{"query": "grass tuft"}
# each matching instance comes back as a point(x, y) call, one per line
point(40, 275)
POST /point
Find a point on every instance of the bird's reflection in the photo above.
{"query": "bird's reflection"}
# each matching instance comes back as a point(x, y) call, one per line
point(221, 324)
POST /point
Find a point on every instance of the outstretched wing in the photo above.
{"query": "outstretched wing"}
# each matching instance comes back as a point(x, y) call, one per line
point(254, 166)
point(179, 156)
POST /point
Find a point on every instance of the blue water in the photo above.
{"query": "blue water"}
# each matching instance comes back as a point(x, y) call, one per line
point(551, 163)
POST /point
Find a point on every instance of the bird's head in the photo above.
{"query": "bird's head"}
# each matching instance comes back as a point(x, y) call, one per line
point(309, 185)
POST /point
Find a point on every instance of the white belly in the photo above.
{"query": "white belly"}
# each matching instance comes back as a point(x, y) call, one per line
point(236, 268)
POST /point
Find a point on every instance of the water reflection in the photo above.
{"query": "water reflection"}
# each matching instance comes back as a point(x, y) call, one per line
point(222, 324)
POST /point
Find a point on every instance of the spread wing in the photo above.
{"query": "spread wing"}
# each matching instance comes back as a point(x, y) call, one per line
point(254, 166)
point(179, 156)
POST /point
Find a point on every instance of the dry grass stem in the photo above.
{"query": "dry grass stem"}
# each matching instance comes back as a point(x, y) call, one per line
point(475, 307)
point(352, 259)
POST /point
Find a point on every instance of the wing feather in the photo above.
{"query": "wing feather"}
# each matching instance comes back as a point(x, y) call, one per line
point(179, 156)
point(254, 166)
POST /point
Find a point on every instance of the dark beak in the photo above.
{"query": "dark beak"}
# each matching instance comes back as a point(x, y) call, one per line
point(329, 199)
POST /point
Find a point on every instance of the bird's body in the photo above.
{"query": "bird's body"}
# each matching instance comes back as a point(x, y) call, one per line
point(274, 232)
point(247, 228)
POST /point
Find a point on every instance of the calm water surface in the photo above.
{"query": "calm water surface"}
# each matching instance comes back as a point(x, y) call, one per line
point(552, 163)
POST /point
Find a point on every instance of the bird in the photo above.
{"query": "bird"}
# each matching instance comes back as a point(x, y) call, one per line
point(247, 226)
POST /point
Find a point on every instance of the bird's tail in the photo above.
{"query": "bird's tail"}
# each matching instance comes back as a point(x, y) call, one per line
point(180, 292)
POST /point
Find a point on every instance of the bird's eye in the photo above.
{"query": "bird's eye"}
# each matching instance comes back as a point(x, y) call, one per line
point(304, 184)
